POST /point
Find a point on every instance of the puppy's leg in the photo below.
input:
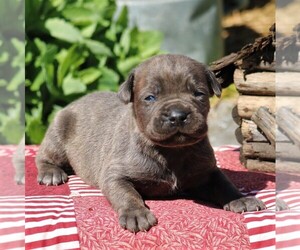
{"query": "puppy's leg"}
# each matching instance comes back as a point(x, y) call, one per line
point(221, 191)
point(49, 161)
point(128, 203)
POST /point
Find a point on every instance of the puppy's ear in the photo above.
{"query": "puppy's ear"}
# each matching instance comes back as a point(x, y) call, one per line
point(214, 86)
point(125, 92)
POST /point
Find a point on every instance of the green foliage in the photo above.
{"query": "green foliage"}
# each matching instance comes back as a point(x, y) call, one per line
point(12, 71)
point(75, 47)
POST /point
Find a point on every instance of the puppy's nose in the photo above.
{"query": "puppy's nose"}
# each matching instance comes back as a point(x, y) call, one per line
point(178, 117)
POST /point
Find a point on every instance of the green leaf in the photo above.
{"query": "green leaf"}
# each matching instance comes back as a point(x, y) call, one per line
point(17, 80)
point(97, 48)
point(89, 75)
point(109, 80)
point(35, 129)
point(122, 19)
point(63, 30)
point(73, 85)
point(38, 81)
point(74, 56)
point(149, 43)
point(79, 15)
point(128, 64)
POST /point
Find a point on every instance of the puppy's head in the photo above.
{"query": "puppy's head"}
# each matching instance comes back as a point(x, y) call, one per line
point(170, 95)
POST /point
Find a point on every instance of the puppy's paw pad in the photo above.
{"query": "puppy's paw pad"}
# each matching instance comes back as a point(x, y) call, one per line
point(135, 220)
point(245, 204)
point(52, 177)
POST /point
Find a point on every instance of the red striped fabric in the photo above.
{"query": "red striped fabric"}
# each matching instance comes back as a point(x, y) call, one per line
point(54, 222)
point(50, 223)
point(12, 222)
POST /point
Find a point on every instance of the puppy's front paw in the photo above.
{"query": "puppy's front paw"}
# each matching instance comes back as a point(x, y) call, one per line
point(245, 204)
point(52, 176)
point(137, 219)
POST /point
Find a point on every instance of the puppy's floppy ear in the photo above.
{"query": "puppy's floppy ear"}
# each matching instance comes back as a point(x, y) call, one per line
point(214, 86)
point(125, 92)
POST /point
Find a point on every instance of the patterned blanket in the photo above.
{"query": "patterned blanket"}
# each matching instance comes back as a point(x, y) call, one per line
point(78, 216)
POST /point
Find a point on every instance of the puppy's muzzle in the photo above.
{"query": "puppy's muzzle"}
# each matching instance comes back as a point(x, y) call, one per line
point(176, 117)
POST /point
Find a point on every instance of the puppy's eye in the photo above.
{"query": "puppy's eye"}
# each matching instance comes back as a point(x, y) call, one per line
point(198, 93)
point(150, 98)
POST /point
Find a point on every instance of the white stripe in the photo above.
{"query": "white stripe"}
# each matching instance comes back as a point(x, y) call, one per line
point(51, 234)
point(262, 236)
point(290, 248)
point(19, 248)
point(288, 222)
point(291, 199)
point(260, 214)
point(55, 214)
point(287, 236)
point(44, 210)
point(48, 222)
point(12, 204)
point(5, 225)
point(61, 246)
point(288, 213)
point(48, 204)
point(267, 248)
point(48, 197)
point(254, 224)
point(15, 215)
point(12, 237)
point(12, 209)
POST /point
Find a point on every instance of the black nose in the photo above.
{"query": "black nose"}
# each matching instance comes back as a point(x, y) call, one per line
point(177, 117)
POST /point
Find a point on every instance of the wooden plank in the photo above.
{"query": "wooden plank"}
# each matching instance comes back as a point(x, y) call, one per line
point(266, 122)
point(287, 83)
point(257, 165)
point(247, 105)
point(268, 83)
point(258, 150)
point(250, 133)
point(261, 83)
point(289, 123)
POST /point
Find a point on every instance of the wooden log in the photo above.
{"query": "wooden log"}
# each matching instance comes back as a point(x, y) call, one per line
point(268, 83)
point(257, 150)
point(287, 83)
point(291, 167)
point(235, 116)
point(257, 165)
point(250, 133)
point(266, 122)
point(289, 123)
point(247, 105)
point(261, 83)
point(265, 151)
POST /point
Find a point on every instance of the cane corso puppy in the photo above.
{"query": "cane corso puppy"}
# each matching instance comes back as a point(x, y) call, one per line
point(147, 140)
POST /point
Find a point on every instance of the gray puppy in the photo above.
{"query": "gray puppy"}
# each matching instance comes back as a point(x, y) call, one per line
point(149, 140)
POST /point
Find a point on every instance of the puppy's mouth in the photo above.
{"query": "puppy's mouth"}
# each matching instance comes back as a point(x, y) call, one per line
point(178, 139)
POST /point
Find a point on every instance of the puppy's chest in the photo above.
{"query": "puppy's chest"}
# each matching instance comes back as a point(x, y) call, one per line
point(159, 180)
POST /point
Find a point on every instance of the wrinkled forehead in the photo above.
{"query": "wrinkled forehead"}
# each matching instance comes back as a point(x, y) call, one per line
point(170, 72)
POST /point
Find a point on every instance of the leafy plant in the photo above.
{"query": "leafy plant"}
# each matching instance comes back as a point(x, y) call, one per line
point(75, 47)
point(12, 71)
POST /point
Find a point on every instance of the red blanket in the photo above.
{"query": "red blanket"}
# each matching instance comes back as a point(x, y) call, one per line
point(77, 216)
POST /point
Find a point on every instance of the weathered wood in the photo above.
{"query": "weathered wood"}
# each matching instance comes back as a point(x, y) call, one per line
point(247, 105)
point(250, 133)
point(265, 151)
point(261, 83)
point(266, 122)
point(257, 165)
point(287, 151)
point(259, 150)
point(235, 115)
point(287, 83)
point(292, 167)
point(268, 83)
point(289, 123)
